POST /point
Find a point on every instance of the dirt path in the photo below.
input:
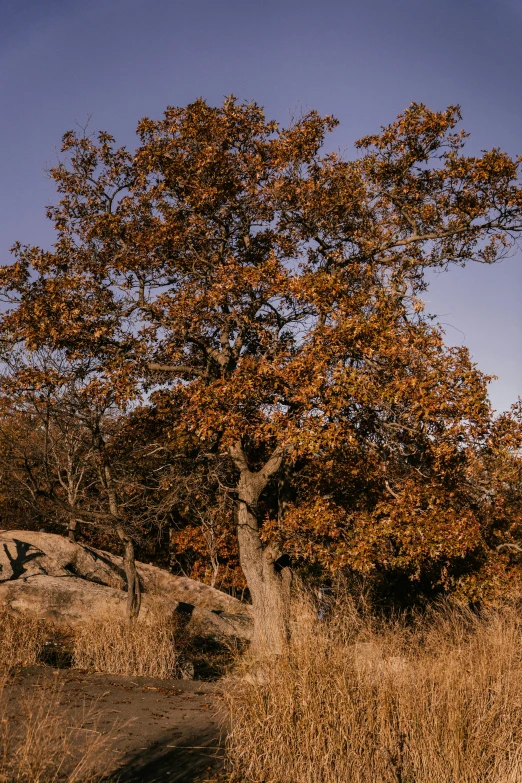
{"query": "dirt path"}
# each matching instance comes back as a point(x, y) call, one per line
point(160, 730)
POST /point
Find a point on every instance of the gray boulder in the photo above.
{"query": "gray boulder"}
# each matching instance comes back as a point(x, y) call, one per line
point(46, 575)
point(69, 600)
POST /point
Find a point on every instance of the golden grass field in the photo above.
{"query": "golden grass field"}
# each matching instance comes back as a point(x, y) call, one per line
point(37, 748)
point(428, 698)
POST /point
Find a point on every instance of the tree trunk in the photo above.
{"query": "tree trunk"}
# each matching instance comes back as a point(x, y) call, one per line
point(131, 575)
point(71, 529)
point(71, 498)
point(268, 581)
point(129, 559)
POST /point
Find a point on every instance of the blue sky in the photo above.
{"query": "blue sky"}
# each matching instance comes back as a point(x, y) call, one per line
point(115, 61)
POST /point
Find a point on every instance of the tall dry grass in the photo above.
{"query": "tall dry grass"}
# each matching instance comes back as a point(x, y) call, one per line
point(437, 699)
point(111, 646)
point(41, 745)
point(22, 640)
point(135, 649)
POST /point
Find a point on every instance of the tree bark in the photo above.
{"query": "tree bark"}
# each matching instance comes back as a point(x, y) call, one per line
point(131, 575)
point(71, 529)
point(129, 559)
point(269, 584)
point(73, 521)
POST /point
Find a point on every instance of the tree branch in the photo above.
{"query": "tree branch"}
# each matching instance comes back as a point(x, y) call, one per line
point(514, 547)
point(181, 369)
point(390, 490)
point(273, 463)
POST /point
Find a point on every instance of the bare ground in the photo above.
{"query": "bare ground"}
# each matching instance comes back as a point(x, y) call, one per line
point(159, 730)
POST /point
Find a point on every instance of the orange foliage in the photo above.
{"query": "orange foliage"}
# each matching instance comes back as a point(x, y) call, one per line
point(277, 293)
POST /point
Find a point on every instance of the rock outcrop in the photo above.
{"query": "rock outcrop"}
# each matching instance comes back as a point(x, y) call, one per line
point(48, 576)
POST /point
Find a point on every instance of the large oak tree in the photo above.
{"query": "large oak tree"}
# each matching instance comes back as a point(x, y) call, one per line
point(276, 290)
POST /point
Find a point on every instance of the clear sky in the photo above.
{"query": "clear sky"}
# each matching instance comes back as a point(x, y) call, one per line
point(361, 60)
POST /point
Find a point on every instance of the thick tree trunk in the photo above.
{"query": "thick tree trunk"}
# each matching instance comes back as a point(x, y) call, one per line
point(268, 582)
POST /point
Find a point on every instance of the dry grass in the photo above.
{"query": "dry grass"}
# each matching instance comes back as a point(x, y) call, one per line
point(133, 649)
point(355, 700)
point(110, 646)
point(42, 743)
point(22, 640)
point(41, 746)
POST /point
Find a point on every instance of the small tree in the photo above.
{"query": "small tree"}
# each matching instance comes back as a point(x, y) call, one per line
point(276, 290)
point(187, 495)
point(56, 418)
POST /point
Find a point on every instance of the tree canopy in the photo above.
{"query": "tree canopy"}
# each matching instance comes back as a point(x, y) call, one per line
point(270, 297)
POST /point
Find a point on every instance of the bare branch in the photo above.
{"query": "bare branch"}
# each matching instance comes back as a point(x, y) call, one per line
point(181, 369)
point(390, 490)
point(513, 547)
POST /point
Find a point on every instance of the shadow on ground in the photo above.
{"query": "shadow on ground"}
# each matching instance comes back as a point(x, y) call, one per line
point(197, 763)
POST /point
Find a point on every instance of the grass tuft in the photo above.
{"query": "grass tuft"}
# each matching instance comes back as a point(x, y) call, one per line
point(22, 640)
point(133, 649)
point(44, 745)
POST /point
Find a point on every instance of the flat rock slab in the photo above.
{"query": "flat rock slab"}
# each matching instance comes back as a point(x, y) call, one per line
point(162, 730)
